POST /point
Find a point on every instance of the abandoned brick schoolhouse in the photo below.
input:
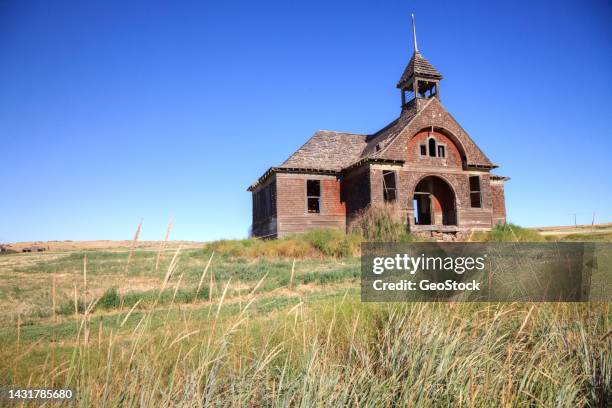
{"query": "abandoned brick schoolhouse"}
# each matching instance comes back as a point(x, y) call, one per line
point(423, 161)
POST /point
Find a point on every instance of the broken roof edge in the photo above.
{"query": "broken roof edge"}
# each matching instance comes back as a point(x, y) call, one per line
point(481, 166)
point(391, 139)
point(496, 177)
point(307, 170)
point(470, 137)
point(488, 164)
point(373, 160)
point(277, 169)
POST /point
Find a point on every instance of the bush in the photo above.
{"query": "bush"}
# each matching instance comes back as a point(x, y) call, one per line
point(109, 300)
point(312, 244)
point(509, 233)
point(332, 242)
point(380, 223)
point(67, 307)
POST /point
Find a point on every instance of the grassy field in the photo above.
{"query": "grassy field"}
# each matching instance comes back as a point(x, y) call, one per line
point(277, 324)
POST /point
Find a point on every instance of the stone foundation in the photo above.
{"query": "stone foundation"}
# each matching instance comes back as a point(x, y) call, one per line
point(443, 236)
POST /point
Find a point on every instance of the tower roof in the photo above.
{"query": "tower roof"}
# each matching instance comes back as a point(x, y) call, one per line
point(420, 67)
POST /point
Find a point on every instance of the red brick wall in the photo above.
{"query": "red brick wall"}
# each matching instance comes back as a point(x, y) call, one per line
point(413, 153)
point(330, 198)
point(459, 182)
point(434, 114)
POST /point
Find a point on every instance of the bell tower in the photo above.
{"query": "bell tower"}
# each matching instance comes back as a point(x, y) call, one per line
point(420, 80)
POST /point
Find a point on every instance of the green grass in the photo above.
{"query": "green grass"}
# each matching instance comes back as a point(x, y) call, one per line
point(509, 233)
point(115, 290)
point(313, 244)
point(329, 350)
point(382, 223)
point(286, 334)
point(584, 237)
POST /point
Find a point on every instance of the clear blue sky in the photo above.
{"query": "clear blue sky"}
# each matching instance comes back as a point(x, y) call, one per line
point(115, 111)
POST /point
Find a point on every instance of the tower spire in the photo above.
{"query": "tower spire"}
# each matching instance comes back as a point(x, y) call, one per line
point(414, 40)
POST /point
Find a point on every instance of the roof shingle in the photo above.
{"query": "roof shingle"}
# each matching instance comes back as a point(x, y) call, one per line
point(328, 150)
point(418, 66)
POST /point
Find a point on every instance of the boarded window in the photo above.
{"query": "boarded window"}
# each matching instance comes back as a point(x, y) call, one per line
point(313, 195)
point(389, 189)
point(475, 194)
point(441, 151)
point(423, 150)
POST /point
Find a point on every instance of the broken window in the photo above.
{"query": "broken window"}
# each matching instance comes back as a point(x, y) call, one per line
point(423, 150)
point(313, 195)
point(441, 151)
point(389, 185)
point(432, 147)
point(475, 196)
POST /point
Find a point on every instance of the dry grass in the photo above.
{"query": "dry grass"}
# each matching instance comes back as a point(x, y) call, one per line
point(63, 246)
point(333, 352)
point(319, 244)
point(382, 222)
point(284, 332)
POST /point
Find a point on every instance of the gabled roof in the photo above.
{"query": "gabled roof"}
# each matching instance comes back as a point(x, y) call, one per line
point(328, 150)
point(381, 139)
point(419, 66)
point(331, 152)
point(415, 121)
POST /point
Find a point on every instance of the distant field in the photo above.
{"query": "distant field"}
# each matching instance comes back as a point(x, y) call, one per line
point(250, 330)
point(597, 232)
point(100, 245)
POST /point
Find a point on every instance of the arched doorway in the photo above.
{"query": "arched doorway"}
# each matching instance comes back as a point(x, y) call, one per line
point(434, 202)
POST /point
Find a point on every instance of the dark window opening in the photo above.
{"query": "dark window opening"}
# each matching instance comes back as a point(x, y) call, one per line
point(423, 150)
point(427, 89)
point(441, 151)
point(432, 147)
point(378, 147)
point(313, 195)
point(389, 189)
point(475, 196)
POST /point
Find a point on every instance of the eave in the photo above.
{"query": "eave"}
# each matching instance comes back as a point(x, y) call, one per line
point(301, 170)
point(373, 160)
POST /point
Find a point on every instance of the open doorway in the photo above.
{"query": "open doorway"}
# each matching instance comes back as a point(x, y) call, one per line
point(422, 209)
point(434, 202)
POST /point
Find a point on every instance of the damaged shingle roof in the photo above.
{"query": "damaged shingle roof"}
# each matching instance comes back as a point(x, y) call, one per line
point(418, 66)
point(331, 152)
point(334, 151)
point(328, 150)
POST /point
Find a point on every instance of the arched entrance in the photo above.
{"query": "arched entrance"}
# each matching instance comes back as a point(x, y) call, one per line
point(434, 202)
